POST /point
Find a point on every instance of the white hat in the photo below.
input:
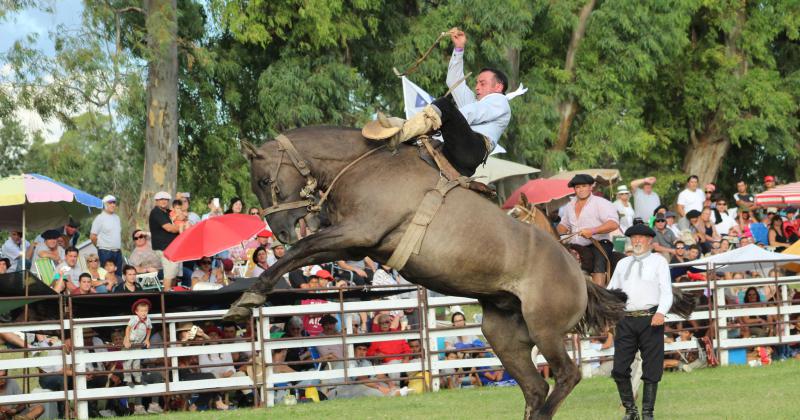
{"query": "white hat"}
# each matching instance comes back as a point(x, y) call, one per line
point(186, 195)
point(109, 198)
point(162, 195)
point(622, 189)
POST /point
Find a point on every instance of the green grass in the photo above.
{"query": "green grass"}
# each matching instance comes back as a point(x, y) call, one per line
point(769, 392)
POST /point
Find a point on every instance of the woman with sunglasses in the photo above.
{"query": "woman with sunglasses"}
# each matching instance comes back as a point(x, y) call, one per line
point(143, 258)
point(101, 282)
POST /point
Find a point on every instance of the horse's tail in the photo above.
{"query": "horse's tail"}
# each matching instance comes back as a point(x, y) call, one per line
point(604, 307)
point(682, 303)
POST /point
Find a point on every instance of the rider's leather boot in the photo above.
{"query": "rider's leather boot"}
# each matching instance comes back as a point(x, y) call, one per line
point(649, 400)
point(241, 310)
point(625, 390)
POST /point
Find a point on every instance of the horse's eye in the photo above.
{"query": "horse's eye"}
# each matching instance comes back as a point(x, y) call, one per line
point(263, 182)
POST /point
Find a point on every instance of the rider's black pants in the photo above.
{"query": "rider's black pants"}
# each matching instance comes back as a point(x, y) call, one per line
point(464, 148)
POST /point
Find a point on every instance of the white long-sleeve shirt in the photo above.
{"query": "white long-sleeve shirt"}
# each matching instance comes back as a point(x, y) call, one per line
point(489, 116)
point(652, 288)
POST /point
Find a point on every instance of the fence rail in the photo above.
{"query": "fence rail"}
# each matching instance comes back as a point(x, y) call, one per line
point(429, 332)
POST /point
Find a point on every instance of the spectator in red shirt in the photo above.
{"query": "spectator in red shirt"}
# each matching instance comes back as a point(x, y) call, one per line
point(394, 350)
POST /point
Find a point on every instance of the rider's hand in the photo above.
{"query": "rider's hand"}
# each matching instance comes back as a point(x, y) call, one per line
point(586, 233)
point(458, 37)
point(658, 319)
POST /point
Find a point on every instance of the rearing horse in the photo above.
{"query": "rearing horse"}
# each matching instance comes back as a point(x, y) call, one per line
point(531, 290)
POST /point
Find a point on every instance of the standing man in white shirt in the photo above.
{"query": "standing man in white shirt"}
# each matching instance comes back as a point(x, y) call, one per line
point(645, 200)
point(691, 198)
point(106, 234)
point(473, 125)
point(645, 278)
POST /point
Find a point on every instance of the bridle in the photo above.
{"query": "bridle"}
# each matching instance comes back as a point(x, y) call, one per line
point(309, 190)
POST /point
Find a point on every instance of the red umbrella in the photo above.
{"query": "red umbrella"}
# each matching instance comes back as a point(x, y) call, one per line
point(540, 191)
point(212, 236)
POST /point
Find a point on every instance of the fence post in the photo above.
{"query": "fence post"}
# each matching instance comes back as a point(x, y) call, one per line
point(80, 369)
point(263, 333)
point(433, 347)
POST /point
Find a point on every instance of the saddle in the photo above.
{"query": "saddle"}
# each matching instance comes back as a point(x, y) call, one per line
point(429, 151)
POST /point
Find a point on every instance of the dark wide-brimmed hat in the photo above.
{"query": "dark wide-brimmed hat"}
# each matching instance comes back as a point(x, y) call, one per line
point(50, 234)
point(581, 179)
point(692, 214)
point(640, 229)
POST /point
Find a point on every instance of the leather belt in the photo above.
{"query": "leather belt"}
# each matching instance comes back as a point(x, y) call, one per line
point(642, 313)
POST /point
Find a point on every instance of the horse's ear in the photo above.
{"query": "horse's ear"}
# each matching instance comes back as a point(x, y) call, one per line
point(251, 151)
point(523, 199)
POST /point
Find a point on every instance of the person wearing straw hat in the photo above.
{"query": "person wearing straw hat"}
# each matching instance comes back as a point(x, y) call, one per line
point(471, 127)
point(645, 279)
point(624, 208)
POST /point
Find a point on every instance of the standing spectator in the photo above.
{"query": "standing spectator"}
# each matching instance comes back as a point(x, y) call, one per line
point(645, 199)
point(791, 226)
point(69, 232)
point(690, 198)
point(259, 262)
point(236, 206)
point(163, 233)
point(769, 182)
point(590, 217)
point(129, 283)
point(743, 199)
point(254, 211)
point(278, 251)
point(213, 208)
point(178, 217)
point(106, 233)
point(192, 217)
point(722, 219)
point(709, 190)
point(143, 257)
point(624, 208)
point(12, 248)
point(137, 332)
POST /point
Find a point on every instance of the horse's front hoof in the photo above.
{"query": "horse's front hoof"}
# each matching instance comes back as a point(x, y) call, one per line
point(238, 314)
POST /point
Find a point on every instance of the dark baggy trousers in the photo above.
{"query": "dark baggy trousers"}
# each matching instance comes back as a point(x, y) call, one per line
point(636, 333)
point(464, 148)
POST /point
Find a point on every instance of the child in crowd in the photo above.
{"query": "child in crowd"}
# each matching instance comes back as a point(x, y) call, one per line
point(137, 332)
point(178, 216)
point(111, 279)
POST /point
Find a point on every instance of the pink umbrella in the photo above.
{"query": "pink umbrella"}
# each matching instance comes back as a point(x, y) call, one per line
point(540, 191)
point(783, 195)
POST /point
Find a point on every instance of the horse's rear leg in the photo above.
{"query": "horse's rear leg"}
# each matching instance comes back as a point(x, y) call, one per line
point(567, 375)
point(508, 335)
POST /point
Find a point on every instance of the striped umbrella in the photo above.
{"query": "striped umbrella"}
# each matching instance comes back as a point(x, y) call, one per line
point(34, 201)
point(783, 195)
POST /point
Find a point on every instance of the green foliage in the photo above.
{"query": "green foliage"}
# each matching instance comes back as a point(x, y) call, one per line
point(13, 146)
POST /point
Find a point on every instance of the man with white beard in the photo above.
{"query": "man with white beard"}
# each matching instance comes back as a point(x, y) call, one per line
point(645, 278)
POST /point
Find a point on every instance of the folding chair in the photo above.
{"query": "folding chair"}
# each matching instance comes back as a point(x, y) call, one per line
point(45, 269)
point(149, 281)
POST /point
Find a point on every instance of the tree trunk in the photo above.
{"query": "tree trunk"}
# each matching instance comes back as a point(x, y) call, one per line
point(569, 106)
point(161, 133)
point(705, 157)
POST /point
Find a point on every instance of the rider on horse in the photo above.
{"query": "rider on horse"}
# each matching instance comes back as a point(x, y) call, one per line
point(472, 126)
point(591, 219)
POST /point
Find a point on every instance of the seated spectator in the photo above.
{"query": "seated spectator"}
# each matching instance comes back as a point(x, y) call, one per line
point(259, 262)
point(394, 351)
point(278, 250)
point(69, 271)
point(459, 320)
point(367, 389)
point(12, 248)
point(664, 239)
point(743, 222)
point(49, 248)
point(791, 226)
point(759, 229)
point(143, 258)
point(671, 225)
point(261, 240)
point(679, 254)
point(84, 285)
point(54, 378)
point(775, 234)
point(691, 223)
point(5, 265)
point(102, 282)
point(752, 325)
point(334, 353)
point(129, 283)
point(10, 387)
point(362, 270)
point(206, 274)
point(706, 231)
point(111, 273)
point(311, 322)
point(498, 377)
point(224, 359)
point(725, 224)
point(294, 329)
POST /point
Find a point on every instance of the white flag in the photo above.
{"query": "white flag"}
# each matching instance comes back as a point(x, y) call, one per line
point(414, 97)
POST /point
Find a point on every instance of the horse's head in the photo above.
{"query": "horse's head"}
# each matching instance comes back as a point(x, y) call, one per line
point(276, 181)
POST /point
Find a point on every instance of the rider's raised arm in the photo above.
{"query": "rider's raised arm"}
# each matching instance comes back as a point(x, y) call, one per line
point(455, 70)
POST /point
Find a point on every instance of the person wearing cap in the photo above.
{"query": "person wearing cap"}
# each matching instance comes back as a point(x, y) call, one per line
point(106, 233)
point(137, 332)
point(769, 182)
point(691, 198)
point(590, 217)
point(12, 248)
point(163, 232)
point(624, 207)
point(277, 251)
point(645, 279)
point(645, 200)
point(186, 198)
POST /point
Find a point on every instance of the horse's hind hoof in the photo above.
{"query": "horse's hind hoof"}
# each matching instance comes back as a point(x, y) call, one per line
point(238, 314)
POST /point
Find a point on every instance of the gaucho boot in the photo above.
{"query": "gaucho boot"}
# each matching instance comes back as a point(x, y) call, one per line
point(241, 310)
point(625, 390)
point(649, 400)
point(423, 122)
